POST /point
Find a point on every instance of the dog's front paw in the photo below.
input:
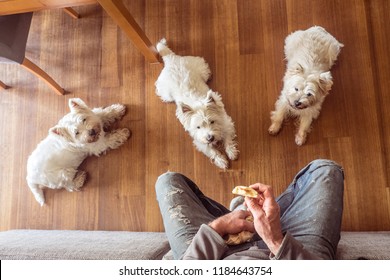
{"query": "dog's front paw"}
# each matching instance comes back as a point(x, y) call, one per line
point(300, 138)
point(232, 152)
point(118, 137)
point(110, 114)
point(123, 134)
point(221, 162)
point(274, 129)
point(118, 110)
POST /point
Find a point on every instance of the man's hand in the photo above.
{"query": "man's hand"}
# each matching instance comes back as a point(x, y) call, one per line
point(266, 216)
point(232, 223)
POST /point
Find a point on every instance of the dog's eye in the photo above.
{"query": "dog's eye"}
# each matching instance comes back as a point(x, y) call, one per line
point(212, 122)
point(296, 89)
point(309, 94)
point(198, 127)
point(84, 120)
point(76, 133)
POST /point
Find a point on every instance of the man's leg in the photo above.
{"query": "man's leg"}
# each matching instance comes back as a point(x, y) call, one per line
point(312, 206)
point(184, 208)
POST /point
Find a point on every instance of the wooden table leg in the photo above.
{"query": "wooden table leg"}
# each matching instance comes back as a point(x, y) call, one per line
point(122, 17)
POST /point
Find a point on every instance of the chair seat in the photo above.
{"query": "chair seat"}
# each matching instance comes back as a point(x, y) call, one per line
point(14, 31)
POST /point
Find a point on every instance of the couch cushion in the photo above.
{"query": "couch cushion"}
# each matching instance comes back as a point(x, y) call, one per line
point(118, 245)
point(372, 245)
point(82, 245)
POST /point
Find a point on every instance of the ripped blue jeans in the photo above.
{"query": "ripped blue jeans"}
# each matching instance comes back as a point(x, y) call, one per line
point(310, 209)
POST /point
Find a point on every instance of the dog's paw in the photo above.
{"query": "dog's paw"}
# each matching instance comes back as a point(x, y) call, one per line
point(118, 110)
point(232, 152)
point(221, 162)
point(274, 129)
point(123, 134)
point(300, 138)
point(110, 114)
point(79, 180)
point(118, 137)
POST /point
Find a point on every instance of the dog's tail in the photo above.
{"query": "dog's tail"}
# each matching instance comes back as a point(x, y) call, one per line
point(38, 193)
point(162, 48)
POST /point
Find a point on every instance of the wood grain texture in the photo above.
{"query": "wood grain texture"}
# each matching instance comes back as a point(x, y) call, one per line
point(242, 40)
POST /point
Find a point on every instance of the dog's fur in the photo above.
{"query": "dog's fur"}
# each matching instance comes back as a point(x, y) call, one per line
point(80, 133)
point(199, 109)
point(310, 54)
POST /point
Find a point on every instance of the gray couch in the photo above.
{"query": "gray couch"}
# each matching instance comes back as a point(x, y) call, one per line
point(122, 245)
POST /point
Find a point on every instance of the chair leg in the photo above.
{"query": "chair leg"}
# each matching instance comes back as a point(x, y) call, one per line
point(70, 11)
point(3, 86)
point(33, 68)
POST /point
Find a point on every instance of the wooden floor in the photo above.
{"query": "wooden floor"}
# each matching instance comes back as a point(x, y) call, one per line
point(242, 40)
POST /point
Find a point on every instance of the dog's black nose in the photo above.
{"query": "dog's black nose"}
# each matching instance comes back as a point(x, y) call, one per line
point(92, 132)
point(210, 138)
point(297, 103)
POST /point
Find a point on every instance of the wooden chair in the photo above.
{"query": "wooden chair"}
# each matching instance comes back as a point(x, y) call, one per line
point(14, 30)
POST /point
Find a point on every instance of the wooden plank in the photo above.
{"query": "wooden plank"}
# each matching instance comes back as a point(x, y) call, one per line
point(109, 70)
point(378, 35)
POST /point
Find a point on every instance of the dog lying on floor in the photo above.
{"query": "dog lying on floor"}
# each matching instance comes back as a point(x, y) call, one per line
point(53, 164)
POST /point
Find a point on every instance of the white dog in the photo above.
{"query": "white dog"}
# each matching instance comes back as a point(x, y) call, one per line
point(199, 109)
point(310, 55)
point(53, 164)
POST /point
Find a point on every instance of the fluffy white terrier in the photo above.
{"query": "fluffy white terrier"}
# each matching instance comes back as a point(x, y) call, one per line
point(199, 109)
point(310, 54)
point(81, 133)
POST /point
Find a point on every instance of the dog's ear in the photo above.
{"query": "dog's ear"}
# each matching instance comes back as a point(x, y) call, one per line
point(213, 98)
point(60, 131)
point(326, 81)
point(210, 97)
point(185, 108)
point(77, 105)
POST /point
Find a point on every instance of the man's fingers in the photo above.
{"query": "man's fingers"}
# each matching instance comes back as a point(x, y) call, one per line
point(249, 226)
point(246, 222)
point(264, 190)
point(253, 206)
point(242, 214)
